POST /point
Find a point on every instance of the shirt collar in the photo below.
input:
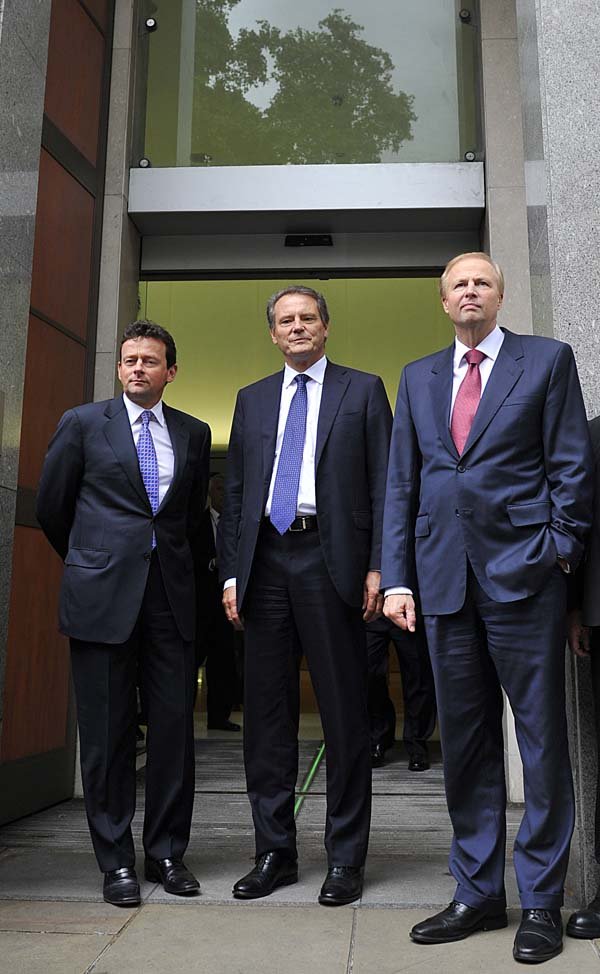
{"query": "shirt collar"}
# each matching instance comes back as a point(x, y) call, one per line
point(316, 372)
point(134, 411)
point(490, 346)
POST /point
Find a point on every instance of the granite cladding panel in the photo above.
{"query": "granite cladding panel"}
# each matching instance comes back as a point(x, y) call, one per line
point(30, 21)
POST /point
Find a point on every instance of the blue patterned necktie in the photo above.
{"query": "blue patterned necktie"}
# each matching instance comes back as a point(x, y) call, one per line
point(148, 464)
point(287, 479)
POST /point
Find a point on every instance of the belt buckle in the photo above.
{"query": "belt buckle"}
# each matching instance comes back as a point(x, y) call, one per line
point(303, 526)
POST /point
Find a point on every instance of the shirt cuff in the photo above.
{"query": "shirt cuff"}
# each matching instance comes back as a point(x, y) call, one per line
point(397, 590)
point(229, 583)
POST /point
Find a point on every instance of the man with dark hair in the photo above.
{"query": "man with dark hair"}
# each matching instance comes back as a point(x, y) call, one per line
point(299, 554)
point(120, 499)
point(487, 509)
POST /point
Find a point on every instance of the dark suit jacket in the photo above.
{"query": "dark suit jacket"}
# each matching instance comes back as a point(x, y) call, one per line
point(350, 467)
point(585, 589)
point(94, 510)
point(519, 495)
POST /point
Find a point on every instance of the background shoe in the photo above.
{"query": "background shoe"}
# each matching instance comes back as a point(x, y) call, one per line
point(272, 870)
point(585, 924)
point(225, 725)
point(418, 764)
point(377, 756)
point(121, 887)
point(539, 936)
point(173, 875)
point(456, 922)
point(343, 884)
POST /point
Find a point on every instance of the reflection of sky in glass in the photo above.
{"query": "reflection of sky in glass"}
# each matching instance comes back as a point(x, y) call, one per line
point(420, 39)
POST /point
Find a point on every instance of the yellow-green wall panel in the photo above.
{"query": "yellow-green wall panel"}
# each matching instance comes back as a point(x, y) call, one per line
point(223, 341)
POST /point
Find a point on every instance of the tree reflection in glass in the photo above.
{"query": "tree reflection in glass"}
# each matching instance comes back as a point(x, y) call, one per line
point(328, 94)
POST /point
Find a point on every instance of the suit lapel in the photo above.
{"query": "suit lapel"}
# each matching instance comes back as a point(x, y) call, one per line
point(118, 433)
point(440, 390)
point(502, 378)
point(180, 440)
point(334, 387)
point(270, 398)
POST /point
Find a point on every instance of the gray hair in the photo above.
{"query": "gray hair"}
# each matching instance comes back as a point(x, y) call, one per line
point(297, 289)
point(455, 260)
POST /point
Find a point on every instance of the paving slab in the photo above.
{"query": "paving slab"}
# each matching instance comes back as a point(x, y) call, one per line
point(36, 953)
point(53, 874)
point(382, 946)
point(25, 916)
point(223, 941)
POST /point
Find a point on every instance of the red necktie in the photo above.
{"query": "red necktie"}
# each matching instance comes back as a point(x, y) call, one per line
point(467, 400)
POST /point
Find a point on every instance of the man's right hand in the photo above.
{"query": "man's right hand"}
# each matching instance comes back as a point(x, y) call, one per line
point(400, 609)
point(230, 606)
point(578, 635)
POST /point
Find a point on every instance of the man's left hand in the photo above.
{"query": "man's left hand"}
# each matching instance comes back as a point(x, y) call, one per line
point(372, 597)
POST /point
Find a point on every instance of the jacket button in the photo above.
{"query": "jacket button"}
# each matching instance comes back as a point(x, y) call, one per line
point(460, 468)
point(457, 513)
point(147, 556)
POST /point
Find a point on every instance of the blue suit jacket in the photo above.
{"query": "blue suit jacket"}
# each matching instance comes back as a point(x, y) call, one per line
point(520, 494)
point(94, 510)
point(350, 469)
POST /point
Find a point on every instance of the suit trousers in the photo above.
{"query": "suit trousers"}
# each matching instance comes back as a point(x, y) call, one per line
point(292, 608)
point(519, 646)
point(595, 665)
point(418, 692)
point(105, 688)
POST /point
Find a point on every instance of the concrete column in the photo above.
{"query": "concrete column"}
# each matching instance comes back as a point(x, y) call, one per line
point(24, 28)
point(559, 47)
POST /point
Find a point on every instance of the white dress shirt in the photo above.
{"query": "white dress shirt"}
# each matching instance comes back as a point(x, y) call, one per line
point(307, 503)
point(160, 437)
point(490, 346)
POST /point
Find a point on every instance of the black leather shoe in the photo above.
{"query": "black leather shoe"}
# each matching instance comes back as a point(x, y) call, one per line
point(377, 756)
point(418, 764)
point(272, 870)
point(539, 936)
point(121, 887)
point(585, 924)
point(343, 884)
point(456, 922)
point(173, 875)
point(226, 725)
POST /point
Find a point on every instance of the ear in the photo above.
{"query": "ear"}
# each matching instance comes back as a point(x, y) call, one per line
point(171, 372)
point(445, 305)
point(273, 339)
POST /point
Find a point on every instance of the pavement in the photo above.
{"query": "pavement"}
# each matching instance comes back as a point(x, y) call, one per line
point(53, 919)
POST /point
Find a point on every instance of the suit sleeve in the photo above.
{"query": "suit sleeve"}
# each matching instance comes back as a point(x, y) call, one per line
point(229, 522)
point(379, 427)
point(401, 497)
point(60, 481)
point(567, 458)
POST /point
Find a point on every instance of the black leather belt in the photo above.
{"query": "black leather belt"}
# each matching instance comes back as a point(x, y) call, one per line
point(304, 522)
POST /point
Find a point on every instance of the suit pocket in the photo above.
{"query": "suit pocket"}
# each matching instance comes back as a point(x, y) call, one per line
point(362, 520)
point(534, 512)
point(87, 558)
point(422, 526)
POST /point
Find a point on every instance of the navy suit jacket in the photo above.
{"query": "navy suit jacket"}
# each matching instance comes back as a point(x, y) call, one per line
point(520, 494)
point(350, 469)
point(94, 510)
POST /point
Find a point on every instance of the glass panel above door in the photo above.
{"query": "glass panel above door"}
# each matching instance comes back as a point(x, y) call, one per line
point(317, 82)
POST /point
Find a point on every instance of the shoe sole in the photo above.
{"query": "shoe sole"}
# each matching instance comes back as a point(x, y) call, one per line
point(489, 923)
point(581, 935)
point(325, 901)
point(130, 901)
point(540, 959)
point(286, 881)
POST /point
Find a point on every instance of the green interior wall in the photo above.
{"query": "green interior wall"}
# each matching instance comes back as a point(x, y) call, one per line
point(223, 341)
